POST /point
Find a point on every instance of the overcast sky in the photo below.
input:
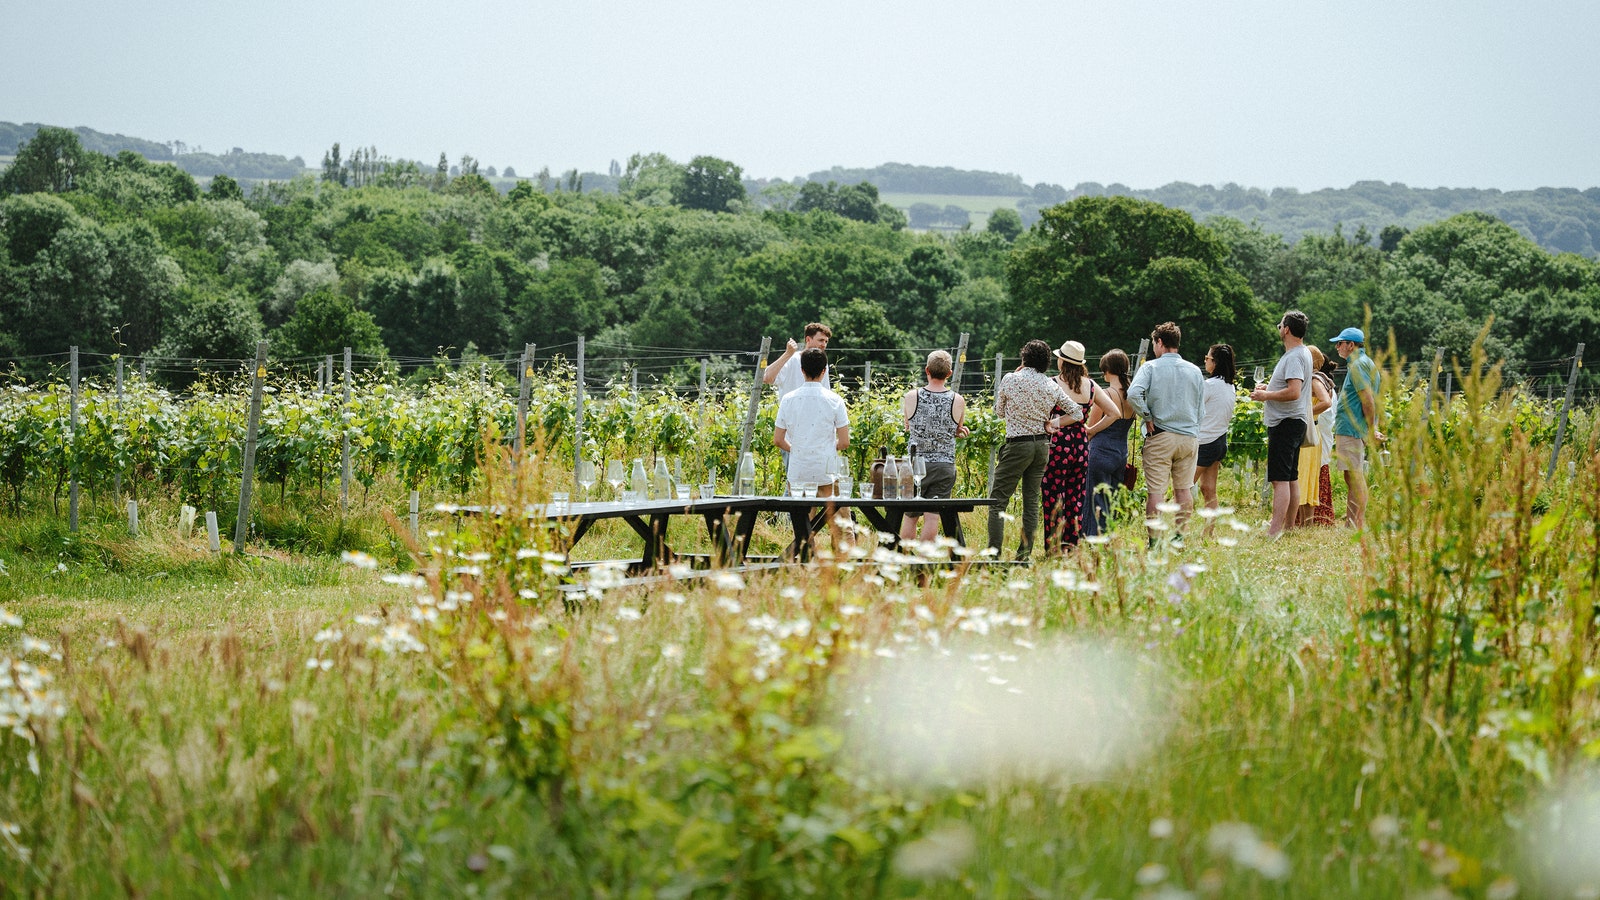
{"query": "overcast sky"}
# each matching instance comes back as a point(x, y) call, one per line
point(1287, 93)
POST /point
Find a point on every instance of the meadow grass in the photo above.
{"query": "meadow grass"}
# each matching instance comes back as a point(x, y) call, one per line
point(1228, 719)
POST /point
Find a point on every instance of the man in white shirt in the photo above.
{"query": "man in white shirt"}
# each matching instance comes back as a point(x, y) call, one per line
point(812, 426)
point(785, 370)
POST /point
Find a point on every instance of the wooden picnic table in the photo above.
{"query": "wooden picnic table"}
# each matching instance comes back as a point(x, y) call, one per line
point(730, 521)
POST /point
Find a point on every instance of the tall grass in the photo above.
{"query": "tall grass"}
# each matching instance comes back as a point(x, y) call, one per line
point(1333, 714)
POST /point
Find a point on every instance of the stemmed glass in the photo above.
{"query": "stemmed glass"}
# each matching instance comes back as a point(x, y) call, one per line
point(586, 476)
point(614, 477)
point(1261, 375)
point(919, 471)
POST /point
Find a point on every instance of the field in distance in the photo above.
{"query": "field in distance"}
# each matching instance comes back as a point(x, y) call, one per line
point(977, 205)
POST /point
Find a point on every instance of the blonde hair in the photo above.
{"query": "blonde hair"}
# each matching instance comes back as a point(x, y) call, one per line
point(939, 365)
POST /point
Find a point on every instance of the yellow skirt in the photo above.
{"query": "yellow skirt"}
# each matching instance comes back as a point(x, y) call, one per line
point(1310, 470)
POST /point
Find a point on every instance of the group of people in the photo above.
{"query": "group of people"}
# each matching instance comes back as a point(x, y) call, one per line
point(1066, 435)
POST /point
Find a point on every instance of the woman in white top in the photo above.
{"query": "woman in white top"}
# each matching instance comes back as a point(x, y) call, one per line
point(1215, 420)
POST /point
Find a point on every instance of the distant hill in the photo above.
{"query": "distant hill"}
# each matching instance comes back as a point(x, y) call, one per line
point(1562, 220)
point(236, 163)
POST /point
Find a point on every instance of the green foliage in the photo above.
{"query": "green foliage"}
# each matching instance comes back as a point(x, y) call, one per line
point(1105, 270)
point(53, 161)
point(324, 323)
point(710, 184)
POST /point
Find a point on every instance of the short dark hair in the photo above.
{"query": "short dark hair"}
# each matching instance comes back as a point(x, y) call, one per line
point(1169, 334)
point(1036, 355)
point(1297, 323)
point(938, 365)
point(1222, 362)
point(815, 327)
point(813, 362)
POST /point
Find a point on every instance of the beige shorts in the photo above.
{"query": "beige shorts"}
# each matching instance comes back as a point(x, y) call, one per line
point(1169, 459)
point(1349, 454)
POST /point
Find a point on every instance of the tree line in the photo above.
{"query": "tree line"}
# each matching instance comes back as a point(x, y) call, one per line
point(120, 254)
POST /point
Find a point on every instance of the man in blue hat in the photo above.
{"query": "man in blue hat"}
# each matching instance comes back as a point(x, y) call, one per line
point(1356, 421)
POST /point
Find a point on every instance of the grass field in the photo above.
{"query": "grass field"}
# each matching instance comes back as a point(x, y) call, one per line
point(1405, 711)
point(979, 207)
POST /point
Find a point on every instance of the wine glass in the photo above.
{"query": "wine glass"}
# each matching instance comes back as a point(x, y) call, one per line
point(1261, 375)
point(614, 477)
point(919, 471)
point(586, 476)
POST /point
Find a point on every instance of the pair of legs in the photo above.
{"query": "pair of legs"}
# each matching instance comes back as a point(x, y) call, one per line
point(1170, 459)
point(1283, 472)
point(938, 484)
point(1207, 466)
point(1350, 456)
point(1107, 463)
point(1019, 462)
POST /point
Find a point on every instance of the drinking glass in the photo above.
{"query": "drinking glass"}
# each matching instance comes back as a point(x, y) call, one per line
point(558, 503)
point(843, 486)
point(808, 489)
point(586, 476)
point(919, 471)
point(683, 491)
point(614, 477)
point(1261, 375)
point(796, 489)
point(709, 489)
point(864, 490)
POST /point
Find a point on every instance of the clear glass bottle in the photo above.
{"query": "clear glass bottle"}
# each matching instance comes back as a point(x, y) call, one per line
point(891, 479)
point(663, 480)
point(638, 483)
point(747, 476)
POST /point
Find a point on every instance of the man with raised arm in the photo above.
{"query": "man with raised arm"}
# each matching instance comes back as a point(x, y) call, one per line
point(785, 370)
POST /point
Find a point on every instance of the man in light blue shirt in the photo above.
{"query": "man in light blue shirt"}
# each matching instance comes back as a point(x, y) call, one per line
point(1169, 393)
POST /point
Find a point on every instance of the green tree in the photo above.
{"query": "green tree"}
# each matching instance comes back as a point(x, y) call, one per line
point(224, 188)
point(709, 183)
point(1105, 270)
point(325, 322)
point(1006, 223)
point(650, 179)
point(211, 325)
point(52, 162)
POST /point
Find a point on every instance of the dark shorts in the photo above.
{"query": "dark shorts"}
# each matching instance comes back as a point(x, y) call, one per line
point(1283, 450)
point(940, 480)
point(1212, 452)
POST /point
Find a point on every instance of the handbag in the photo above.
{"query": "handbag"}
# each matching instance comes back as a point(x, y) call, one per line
point(1130, 475)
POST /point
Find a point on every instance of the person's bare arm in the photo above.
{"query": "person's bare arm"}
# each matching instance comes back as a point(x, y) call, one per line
point(770, 373)
point(1320, 398)
point(841, 438)
point(781, 438)
point(958, 411)
point(1369, 408)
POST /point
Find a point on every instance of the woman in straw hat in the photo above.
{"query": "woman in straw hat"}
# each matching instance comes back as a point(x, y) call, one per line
point(1066, 474)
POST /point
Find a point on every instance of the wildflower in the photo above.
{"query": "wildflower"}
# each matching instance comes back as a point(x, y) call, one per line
point(1161, 829)
point(1384, 828)
point(628, 614)
point(327, 635)
point(1169, 508)
point(32, 644)
point(1008, 517)
point(791, 592)
point(674, 598)
point(729, 605)
point(728, 581)
point(1097, 539)
point(358, 559)
point(1156, 524)
point(671, 651)
point(939, 854)
point(1150, 874)
point(680, 570)
point(9, 618)
point(1018, 585)
point(368, 621)
point(847, 610)
point(314, 664)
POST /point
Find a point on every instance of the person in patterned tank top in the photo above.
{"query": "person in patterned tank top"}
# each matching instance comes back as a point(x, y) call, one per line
point(933, 416)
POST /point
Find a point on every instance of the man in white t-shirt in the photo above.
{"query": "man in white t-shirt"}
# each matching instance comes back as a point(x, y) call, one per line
point(812, 426)
point(785, 370)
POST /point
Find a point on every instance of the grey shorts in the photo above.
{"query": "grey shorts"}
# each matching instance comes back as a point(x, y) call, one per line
point(940, 480)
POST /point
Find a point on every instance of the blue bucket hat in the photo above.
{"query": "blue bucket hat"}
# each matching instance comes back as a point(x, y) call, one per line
point(1349, 334)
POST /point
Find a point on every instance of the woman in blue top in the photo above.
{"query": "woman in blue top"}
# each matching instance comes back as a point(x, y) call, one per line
point(1108, 443)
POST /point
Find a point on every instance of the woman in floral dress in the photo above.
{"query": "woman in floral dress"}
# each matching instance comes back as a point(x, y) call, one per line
point(1066, 474)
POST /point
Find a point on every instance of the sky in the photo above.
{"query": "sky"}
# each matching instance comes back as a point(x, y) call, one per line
point(1139, 92)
